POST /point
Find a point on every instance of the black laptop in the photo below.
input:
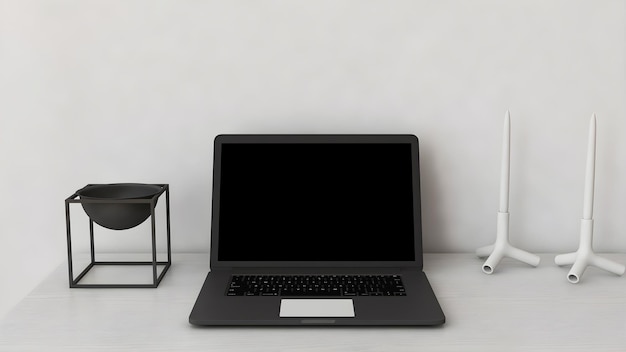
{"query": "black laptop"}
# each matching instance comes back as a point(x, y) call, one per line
point(316, 230)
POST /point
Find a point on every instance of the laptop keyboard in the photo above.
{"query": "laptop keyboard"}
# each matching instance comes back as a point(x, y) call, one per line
point(316, 285)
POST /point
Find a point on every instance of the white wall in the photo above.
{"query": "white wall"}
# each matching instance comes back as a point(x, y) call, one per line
point(135, 91)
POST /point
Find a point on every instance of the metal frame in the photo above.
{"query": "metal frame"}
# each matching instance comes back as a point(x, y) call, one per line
point(74, 282)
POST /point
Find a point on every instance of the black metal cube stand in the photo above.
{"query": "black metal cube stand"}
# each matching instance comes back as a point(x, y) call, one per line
point(151, 201)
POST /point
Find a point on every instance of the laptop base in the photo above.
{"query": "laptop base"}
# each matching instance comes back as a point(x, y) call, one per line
point(418, 308)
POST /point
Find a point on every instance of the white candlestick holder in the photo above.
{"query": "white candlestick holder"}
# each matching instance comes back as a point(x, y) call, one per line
point(585, 256)
point(502, 247)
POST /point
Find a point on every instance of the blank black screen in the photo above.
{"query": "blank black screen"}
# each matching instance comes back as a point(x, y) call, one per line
point(316, 202)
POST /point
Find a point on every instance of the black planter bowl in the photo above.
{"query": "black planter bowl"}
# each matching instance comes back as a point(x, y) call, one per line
point(113, 213)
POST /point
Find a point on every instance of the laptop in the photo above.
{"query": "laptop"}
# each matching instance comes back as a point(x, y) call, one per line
point(316, 230)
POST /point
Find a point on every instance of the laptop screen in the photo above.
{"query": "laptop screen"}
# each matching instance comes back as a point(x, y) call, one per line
point(316, 198)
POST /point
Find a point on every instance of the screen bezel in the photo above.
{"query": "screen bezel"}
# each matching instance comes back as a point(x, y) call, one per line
point(303, 138)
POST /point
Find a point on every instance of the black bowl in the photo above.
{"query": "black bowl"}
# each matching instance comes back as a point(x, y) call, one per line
point(118, 215)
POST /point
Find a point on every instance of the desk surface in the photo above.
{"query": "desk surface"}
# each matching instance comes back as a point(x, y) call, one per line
point(518, 308)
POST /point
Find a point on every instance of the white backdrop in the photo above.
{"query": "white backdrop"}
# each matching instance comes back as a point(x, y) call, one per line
point(135, 91)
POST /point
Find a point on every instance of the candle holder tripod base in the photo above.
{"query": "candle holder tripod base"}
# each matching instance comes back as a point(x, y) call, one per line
point(502, 248)
point(585, 256)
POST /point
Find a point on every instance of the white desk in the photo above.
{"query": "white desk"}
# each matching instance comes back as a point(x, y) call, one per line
point(518, 308)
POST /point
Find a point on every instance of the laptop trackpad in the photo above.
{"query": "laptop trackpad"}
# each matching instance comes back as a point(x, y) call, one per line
point(308, 308)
